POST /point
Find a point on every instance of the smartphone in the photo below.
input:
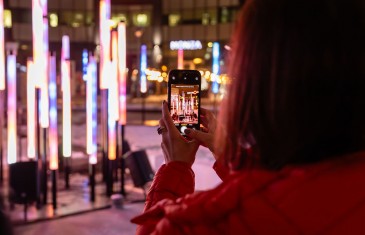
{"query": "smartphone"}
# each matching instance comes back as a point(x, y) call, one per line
point(184, 98)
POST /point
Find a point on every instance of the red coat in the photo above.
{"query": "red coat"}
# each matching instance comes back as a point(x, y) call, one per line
point(321, 198)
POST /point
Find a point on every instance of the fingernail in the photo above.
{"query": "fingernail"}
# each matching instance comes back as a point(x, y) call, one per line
point(187, 131)
point(163, 102)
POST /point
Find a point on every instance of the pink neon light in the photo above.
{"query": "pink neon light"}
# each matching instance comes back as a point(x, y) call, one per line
point(66, 108)
point(12, 127)
point(37, 30)
point(122, 45)
point(53, 136)
point(31, 108)
point(113, 80)
point(65, 52)
point(2, 51)
point(91, 111)
point(44, 85)
point(180, 59)
point(104, 34)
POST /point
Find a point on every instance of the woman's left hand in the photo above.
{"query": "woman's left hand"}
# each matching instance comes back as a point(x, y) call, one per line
point(175, 147)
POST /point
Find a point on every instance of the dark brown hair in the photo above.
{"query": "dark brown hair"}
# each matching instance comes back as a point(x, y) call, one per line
point(298, 87)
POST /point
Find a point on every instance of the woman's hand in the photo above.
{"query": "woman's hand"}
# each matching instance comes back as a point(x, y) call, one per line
point(206, 136)
point(175, 147)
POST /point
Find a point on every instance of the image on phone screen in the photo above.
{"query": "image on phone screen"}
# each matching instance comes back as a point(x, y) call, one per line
point(184, 104)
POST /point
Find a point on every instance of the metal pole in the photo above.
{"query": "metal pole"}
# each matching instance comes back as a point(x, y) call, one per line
point(143, 108)
point(92, 182)
point(1, 136)
point(122, 164)
point(109, 185)
point(115, 178)
point(54, 189)
point(44, 165)
point(67, 172)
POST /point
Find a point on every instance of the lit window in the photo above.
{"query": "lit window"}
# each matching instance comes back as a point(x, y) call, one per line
point(53, 20)
point(224, 15)
point(140, 20)
point(7, 19)
point(205, 18)
point(174, 19)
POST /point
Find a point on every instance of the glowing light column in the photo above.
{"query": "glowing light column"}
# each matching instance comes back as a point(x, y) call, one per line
point(31, 111)
point(113, 112)
point(12, 108)
point(122, 45)
point(66, 106)
point(53, 136)
point(2, 50)
point(104, 34)
point(215, 69)
point(143, 68)
point(91, 111)
point(91, 121)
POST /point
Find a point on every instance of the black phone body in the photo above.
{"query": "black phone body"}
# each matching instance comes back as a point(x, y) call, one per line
point(184, 90)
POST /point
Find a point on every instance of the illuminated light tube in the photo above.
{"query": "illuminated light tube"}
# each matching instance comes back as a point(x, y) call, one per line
point(85, 61)
point(215, 69)
point(37, 31)
point(66, 108)
point(2, 50)
point(31, 110)
point(91, 111)
point(112, 143)
point(113, 80)
point(12, 108)
point(104, 35)
point(65, 52)
point(53, 133)
point(44, 99)
point(180, 59)
point(122, 67)
point(143, 78)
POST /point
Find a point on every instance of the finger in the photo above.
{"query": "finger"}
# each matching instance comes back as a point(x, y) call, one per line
point(204, 121)
point(164, 151)
point(200, 136)
point(204, 129)
point(167, 118)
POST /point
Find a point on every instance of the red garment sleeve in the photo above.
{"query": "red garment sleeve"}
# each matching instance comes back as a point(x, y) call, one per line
point(221, 170)
point(173, 180)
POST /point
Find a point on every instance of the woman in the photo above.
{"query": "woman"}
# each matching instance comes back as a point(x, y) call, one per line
point(290, 145)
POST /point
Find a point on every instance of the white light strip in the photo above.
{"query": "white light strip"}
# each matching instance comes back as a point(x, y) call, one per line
point(31, 110)
point(53, 133)
point(12, 109)
point(66, 108)
point(122, 46)
point(2, 51)
point(91, 111)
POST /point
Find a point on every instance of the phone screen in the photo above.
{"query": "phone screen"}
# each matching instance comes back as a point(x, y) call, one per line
point(184, 98)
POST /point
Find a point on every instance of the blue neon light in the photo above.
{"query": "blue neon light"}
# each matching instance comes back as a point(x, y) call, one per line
point(215, 85)
point(143, 78)
point(85, 61)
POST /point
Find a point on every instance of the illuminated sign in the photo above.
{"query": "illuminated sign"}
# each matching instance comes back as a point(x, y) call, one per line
point(186, 45)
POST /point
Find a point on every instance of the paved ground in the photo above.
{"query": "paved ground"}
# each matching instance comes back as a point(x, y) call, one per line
point(116, 221)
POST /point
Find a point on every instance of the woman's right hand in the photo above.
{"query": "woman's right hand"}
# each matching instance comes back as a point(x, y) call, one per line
point(206, 136)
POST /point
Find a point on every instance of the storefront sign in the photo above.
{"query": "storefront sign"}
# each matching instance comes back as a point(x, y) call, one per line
point(186, 45)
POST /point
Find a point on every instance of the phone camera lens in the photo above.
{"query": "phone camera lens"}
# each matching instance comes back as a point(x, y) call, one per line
point(173, 78)
point(196, 78)
point(185, 78)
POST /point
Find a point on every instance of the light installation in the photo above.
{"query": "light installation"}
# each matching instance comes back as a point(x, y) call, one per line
point(122, 45)
point(53, 133)
point(65, 53)
point(113, 107)
point(31, 110)
point(66, 108)
point(180, 59)
point(215, 69)
point(85, 61)
point(104, 35)
point(2, 51)
point(91, 111)
point(40, 55)
point(12, 108)
point(143, 67)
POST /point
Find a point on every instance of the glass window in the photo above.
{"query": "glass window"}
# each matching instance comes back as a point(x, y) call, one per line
point(7, 19)
point(53, 19)
point(141, 19)
point(174, 19)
